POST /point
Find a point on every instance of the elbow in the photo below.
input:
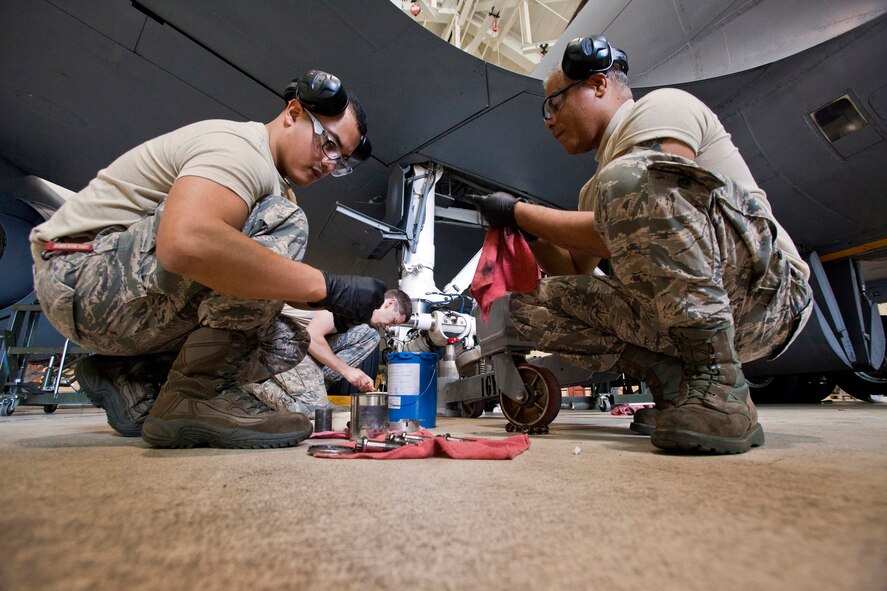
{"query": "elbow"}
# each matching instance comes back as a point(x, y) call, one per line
point(178, 256)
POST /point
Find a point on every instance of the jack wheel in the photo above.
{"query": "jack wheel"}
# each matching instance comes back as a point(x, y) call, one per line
point(542, 405)
point(7, 407)
point(50, 408)
point(472, 410)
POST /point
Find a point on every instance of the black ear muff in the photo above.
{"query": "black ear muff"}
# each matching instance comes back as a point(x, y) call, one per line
point(590, 55)
point(620, 59)
point(323, 94)
point(361, 152)
point(319, 92)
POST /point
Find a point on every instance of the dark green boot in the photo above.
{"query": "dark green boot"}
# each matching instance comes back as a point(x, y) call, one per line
point(663, 374)
point(713, 412)
point(202, 404)
point(125, 387)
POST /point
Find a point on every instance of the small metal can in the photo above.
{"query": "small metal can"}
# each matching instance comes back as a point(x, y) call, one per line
point(323, 420)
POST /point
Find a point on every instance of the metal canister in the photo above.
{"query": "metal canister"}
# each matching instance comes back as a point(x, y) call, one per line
point(323, 420)
point(369, 415)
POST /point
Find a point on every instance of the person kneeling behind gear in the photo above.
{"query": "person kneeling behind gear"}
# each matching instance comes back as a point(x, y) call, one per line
point(336, 351)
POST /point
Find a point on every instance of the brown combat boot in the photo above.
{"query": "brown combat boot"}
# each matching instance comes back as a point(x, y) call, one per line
point(125, 387)
point(663, 374)
point(713, 412)
point(202, 404)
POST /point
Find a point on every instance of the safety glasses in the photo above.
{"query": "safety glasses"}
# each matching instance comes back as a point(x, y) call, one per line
point(554, 101)
point(330, 148)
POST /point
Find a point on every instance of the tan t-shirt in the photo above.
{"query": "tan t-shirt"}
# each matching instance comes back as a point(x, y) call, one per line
point(675, 114)
point(234, 154)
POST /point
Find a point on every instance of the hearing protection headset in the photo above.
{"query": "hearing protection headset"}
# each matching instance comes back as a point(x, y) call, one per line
point(323, 94)
point(591, 55)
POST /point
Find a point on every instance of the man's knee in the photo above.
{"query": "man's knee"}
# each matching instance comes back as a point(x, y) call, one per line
point(364, 334)
point(280, 225)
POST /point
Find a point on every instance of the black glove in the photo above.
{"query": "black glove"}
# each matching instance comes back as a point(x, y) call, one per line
point(352, 296)
point(498, 209)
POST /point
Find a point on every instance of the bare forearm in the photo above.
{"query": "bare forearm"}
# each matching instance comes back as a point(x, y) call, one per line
point(199, 237)
point(570, 230)
point(553, 259)
point(320, 350)
point(225, 260)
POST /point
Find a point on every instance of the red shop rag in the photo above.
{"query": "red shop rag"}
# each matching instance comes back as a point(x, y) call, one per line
point(479, 449)
point(329, 435)
point(506, 264)
point(628, 409)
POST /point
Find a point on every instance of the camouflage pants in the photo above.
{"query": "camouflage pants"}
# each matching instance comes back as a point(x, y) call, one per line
point(304, 387)
point(117, 300)
point(688, 249)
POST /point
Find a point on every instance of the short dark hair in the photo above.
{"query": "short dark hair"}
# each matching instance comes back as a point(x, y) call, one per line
point(617, 75)
point(404, 303)
point(359, 113)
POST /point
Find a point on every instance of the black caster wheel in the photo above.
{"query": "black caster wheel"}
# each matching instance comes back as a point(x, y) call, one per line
point(50, 408)
point(472, 410)
point(7, 407)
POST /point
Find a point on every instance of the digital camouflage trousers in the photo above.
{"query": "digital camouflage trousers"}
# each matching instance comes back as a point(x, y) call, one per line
point(304, 387)
point(688, 248)
point(117, 300)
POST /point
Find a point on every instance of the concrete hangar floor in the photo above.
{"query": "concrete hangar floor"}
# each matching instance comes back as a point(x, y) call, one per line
point(84, 508)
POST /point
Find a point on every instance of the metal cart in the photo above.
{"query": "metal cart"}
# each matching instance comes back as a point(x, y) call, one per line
point(35, 374)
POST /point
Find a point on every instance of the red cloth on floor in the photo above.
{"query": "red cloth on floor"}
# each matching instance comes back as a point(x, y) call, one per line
point(329, 435)
point(506, 264)
point(627, 409)
point(482, 449)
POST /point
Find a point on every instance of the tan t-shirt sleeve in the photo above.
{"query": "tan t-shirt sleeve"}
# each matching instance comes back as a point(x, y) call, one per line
point(680, 116)
point(227, 159)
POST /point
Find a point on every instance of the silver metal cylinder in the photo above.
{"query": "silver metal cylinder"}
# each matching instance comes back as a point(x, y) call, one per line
point(369, 415)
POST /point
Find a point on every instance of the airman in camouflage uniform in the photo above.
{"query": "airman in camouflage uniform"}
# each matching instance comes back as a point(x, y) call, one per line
point(703, 277)
point(665, 273)
point(175, 262)
point(127, 302)
point(304, 387)
point(336, 350)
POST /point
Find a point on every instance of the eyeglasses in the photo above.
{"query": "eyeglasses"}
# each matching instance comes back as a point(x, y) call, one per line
point(330, 148)
point(554, 101)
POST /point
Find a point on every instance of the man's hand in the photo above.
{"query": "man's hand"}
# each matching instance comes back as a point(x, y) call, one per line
point(352, 296)
point(358, 379)
point(498, 209)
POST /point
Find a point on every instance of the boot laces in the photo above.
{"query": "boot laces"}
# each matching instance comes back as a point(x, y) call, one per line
point(250, 402)
point(150, 373)
point(137, 373)
point(702, 373)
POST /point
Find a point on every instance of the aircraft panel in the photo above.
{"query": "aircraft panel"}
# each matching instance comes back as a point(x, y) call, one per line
point(811, 225)
point(505, 85)
point(370, 45)
point(115, 19)
point(505, 146)
point(74, 99)
point(178, 55)
point(825, 200)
